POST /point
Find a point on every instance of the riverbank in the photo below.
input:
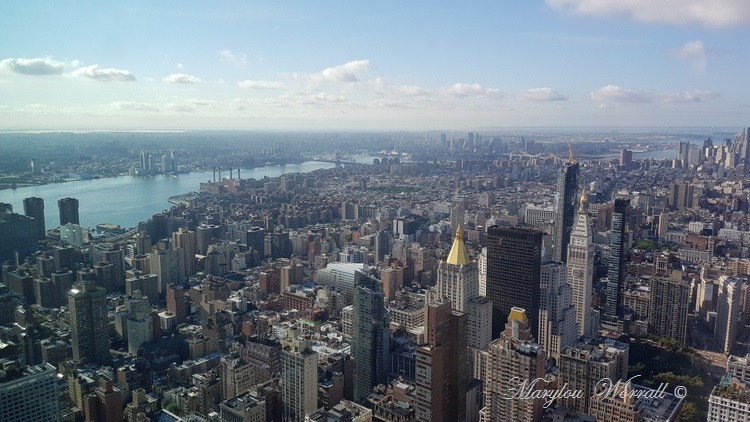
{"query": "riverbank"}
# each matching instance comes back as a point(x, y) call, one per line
point(127, 200)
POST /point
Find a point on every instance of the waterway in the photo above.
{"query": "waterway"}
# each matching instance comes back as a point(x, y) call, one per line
point(128, 200)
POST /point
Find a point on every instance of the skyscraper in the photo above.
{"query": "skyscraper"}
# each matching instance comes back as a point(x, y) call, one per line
point(68, 211)
point(140, 324)
point(668, 311)
point(514, 258)
point(115, 255)
point(34, 207)
point(513, 358)
point(663, 225)
point(299, 374)
point(580, 267)
point(567, 185)
point(728, 311)
point(458, 212)
point(458, 283)
point(382, 245)
point(89, 325)
point(557, 315)
point(458, 276)
point(370, 336)
point(442, 366)
point(174, 162)
point(612, 315)
point(186, 241)
point(684, 153)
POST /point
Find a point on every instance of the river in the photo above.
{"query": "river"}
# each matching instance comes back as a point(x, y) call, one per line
point(128, 200)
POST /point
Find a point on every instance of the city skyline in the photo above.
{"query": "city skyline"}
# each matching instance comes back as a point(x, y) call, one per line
point(401, 66)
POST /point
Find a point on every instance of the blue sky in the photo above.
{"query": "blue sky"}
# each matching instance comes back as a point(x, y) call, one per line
point(299, 65)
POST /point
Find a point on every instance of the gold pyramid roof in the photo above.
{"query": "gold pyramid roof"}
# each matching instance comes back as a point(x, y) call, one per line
point(458, 255)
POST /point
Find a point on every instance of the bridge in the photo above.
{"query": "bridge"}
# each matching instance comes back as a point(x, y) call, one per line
point(337, 162)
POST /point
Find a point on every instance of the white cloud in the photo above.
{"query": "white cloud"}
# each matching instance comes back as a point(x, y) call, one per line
point(322, 97)
point(714, 13)
point(36, 66)
point(180, 66)
point(383, 103)
point(134, 106)
point(544, 94)
point(694, 96)
point(692, 51)
point(346, 72)
point(248, 84)
point(181, 78)
point(614, 95)
point(467, 90)
point(230, 57)
point(182, 108)
point(411, 90)
point(108, 74)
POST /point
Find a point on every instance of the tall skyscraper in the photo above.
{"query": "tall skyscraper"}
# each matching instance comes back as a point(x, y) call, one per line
point(557, 315)
point(299, 374)
point(684, 153)
point(668, 311)
point(255, 239)
point(382, 245)
point(742, 139)
point(146, 163)
point(115, 255)
point(580, 267)
point(68, 211)
point(513, 358)
point(458, 212)
point(565, 208)
point(89, 325)
point(514, 258)
point(370, 336)
point(140, 325)
point(442, 366)
point(663, 225)
point(458, 276)
point(728, 311)
point(34, 207)
point(185, 240)
point(175, 163)
point(482, 263)
point(30, 397)
point(458, 283)
point(611, 318)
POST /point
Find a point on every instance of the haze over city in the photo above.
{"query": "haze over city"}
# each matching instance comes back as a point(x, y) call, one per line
point(528, 211)
point(386, 65)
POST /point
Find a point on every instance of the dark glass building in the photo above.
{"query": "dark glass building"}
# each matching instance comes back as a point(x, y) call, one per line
point(34, 207)
point(616, 265)
point(370, 336)
point(68, 211)
point(514, 260)
point(567, 186)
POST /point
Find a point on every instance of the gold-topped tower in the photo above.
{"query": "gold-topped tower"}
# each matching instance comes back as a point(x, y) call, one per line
point(458, 254)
